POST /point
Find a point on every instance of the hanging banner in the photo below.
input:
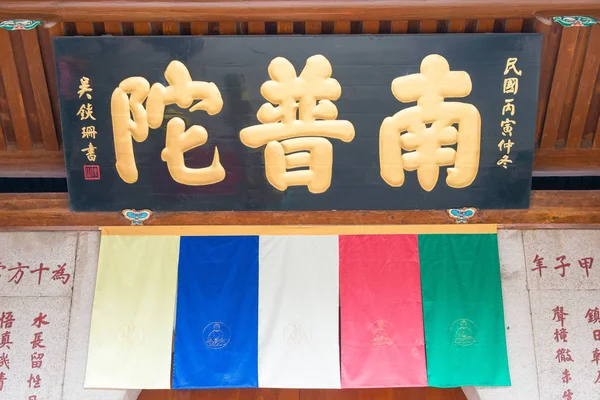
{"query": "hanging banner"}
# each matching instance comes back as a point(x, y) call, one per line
point(261, 307)
point(382, 318)
point(298, 338)
point(131, 331)
point(217, 309)
point(298, 123)
point(462, 310)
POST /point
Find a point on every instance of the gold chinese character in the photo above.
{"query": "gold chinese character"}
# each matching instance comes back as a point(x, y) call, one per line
point(131, 120)
point(180, 140)
point(90, 152)
point(429, 125)
point(503, 161)
point(86, 111)
point(290, 142)
point(84, 88)
point(181, 91)
point(507, 126)
point(508, 107)
point(88, 132)
point(511, 64)
point(511, 85)
point(505, 144)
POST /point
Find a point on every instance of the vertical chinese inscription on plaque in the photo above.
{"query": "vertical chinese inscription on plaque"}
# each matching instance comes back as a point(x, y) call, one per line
point(91, 170)
point(510, 88)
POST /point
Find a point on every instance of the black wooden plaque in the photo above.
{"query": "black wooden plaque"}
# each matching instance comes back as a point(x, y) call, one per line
point(503, 70)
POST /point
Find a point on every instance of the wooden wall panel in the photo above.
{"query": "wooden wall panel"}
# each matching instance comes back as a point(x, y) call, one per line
point(40, 90)
point(198, 28)
point(400, 26)
point(485, 26)
point(45, 39)
point(312, 27)
point(513, 25)
point(428, 26)
point(388, 394)
point(457, 26)
point(552, 35)
point(142, 28)
point(584, 92)
point(16, 105)
point(294, 394)
point(7, 135)
point(596, 144)
point(370, 27)
point(558, 91)
point(227, 28)
point(593, 121)
point(256, 28)
point(113, 28)
point(285, 28)
point(170, 28)
point(84, 28)
point(572, 86)
point(25, 86)
point(341, 27)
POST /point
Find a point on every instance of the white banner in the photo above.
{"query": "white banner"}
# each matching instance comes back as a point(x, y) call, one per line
point(298, 315)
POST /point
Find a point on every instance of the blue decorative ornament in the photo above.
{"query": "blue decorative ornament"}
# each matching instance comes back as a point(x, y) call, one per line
point(461, 215)
point(137, 217)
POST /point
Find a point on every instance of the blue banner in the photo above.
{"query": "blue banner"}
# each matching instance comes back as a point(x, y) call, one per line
point(217, 313)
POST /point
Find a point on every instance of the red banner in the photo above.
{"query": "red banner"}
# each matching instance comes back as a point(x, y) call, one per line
point(382, 342)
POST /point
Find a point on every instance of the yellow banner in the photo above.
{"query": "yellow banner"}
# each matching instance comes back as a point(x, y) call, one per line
point(134, 309)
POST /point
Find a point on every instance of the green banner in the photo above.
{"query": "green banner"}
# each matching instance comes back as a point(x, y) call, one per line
point(462, 309)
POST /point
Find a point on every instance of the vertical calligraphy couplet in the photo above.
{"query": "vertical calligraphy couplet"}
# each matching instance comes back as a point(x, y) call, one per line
point(33, 338)
point(510, 86)
point(86, 113)
point(567, 351)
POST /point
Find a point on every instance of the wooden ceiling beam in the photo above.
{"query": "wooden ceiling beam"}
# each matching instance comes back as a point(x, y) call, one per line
point(566, 162)
point(32, 164)
point(288, 10)
point(564, 209)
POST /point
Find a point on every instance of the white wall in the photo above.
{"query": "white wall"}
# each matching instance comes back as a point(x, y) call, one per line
point(66, 301)
point(529, 301)
point(537, 372)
